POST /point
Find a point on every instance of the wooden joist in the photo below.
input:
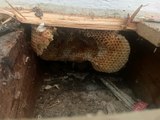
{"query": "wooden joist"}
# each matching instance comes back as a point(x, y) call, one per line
point(71, 21)
point(150, 31)
point(94, 8)
point(93, 14)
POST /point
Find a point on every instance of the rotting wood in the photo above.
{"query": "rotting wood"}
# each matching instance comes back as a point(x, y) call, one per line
point(17, 76)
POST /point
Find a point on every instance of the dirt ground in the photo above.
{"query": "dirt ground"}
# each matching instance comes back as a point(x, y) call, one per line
point(67, 91)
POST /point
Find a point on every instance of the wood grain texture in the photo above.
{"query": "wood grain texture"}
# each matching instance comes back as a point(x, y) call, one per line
point(96, 8)
point(92, 14)
point(84, 22)
point(18, 70)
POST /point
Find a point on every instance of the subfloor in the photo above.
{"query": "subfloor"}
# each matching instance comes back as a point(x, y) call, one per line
point(71, 89)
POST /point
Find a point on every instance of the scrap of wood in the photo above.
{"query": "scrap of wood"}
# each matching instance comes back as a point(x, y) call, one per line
point(6, 21)
point(120, 95)
point(130, 18)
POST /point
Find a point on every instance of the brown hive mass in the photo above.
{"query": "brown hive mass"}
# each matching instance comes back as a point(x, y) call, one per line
point(106, 50)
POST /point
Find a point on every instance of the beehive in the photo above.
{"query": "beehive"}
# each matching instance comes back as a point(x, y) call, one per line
point(107, 51)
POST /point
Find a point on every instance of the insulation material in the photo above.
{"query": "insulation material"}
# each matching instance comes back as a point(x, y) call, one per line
point(107, 51)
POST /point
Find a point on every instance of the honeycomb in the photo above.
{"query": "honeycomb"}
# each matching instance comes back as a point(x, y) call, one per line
point(41, 40)
point(107, 51)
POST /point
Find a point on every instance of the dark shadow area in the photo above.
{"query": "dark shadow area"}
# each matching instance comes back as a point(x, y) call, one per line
point(142, 70)
point(71, 88)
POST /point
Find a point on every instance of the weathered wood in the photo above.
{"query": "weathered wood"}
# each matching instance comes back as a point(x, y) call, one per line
point(72, 21)
point(94, 8)
point(150, 31)
point(17, 76)
point(91, 14)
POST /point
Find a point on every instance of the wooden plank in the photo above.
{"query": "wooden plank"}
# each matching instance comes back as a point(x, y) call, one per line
point(93, 14)
point(94, 8)
point(84, 22)
point(150, 31)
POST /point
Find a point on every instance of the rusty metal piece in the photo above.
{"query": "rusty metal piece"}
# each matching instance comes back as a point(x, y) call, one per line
point(106, 50)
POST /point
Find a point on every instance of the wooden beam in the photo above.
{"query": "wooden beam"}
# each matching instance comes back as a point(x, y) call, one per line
point(101, 15)
point(150, 31)
point(94, 8)
point(72, 21)
point(93, 14)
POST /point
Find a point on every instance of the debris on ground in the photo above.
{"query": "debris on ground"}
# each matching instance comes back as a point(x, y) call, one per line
point(139, 106)
point(47, 87)
point(77, 93)
point(128, 101)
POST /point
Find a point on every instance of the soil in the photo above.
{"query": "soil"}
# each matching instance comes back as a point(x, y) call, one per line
point(67, 91)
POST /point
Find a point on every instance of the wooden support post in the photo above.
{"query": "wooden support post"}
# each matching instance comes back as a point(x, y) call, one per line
point(17, 76)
